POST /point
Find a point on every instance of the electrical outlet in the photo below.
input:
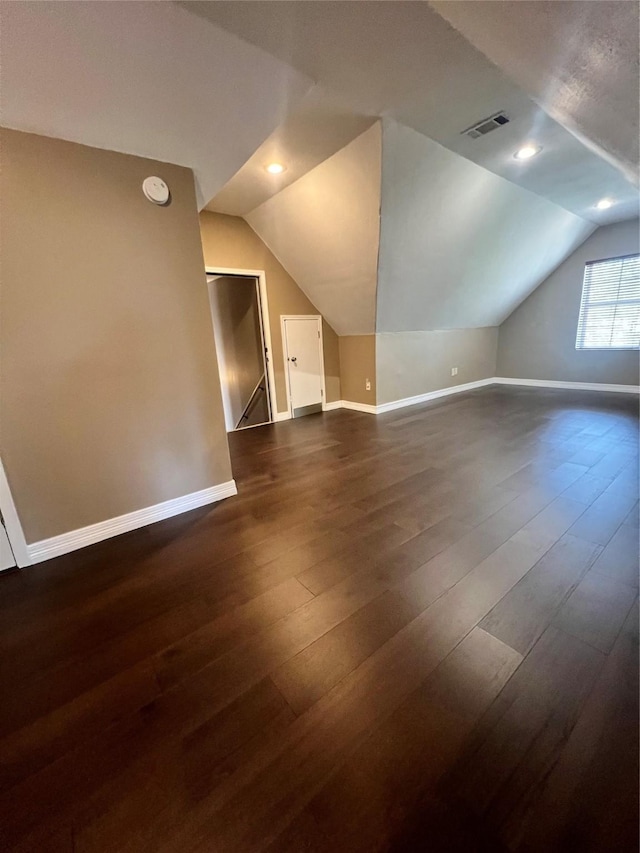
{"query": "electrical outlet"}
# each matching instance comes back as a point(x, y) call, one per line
point(454, 371)
point(367, 385)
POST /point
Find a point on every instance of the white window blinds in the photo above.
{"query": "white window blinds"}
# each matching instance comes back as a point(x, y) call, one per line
point(610, 307)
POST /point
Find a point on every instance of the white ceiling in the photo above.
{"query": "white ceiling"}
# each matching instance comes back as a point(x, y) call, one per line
point(579, 60)
point(149, 78)
point(403, 60)
point(316, 128)
point(459, 246)
point(145, 78)
point(401, 234)
point(324, 230)
point(238, 83)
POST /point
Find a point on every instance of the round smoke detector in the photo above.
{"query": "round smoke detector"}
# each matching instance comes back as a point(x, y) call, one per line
point(155, 190)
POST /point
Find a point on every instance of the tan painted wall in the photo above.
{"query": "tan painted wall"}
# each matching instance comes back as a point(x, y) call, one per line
point(110, 389)
point(228, 242)
point(538, 340)
point(357, 364)
point(412, 363)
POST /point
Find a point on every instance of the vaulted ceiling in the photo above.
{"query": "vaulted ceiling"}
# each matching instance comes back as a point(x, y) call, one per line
point(466, 231)
point(403, 60)
point(460, 247)
point(144, 78)
point(324, 231)
point(578, 61)
point(314, 130)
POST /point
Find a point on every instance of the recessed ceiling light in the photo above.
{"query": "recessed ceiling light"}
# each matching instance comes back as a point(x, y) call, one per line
point(604, 204)
point(275, 168)
point(527, 152)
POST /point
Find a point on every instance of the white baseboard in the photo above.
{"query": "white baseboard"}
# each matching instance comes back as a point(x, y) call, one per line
point(412, 401)
point(329, 407)
point(74, 539)
point(571, 386)
point(282, 416)
point(432, 395)
point(480, 383)
point(359, 407)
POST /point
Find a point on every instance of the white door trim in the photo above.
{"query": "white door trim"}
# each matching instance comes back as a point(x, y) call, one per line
point(318, 319)
point(12, 522)
point(261, 278)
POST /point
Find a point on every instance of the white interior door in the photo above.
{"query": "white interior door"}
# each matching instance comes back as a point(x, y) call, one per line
point(7, 560)
point(304, 364)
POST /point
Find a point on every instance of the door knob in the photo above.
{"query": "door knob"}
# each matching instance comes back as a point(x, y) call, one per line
point(294, 359)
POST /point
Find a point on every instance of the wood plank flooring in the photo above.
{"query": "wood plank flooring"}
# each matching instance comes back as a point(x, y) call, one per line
point(411, 632)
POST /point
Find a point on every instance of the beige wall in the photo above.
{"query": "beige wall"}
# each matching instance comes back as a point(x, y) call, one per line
point(538, 340)
point(110, 389)
point(228, 242)
point(413, 363)
point(357, 364)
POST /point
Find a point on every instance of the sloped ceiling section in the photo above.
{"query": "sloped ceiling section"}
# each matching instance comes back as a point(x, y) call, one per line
point(318, 127)
point(143, 78)
point(404, 61)
point(578, 60)
point(324, 230)
point(460, 247)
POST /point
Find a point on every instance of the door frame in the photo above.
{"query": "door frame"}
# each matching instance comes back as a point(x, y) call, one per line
point(265, 325)
point(318, 319)
point(12, 523)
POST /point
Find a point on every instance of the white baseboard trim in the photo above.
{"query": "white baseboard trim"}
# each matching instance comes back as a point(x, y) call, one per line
point(359, 407)
point(432, 395)
point(571, 386)
point(412, 401)
point(329, 407)
point(282, 416)
point(481, 383)
point(75, 539)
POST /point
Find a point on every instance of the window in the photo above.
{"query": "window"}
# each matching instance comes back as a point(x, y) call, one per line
point(610, 307)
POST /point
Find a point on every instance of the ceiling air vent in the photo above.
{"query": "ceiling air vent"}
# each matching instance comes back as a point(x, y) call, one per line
point(486, 126)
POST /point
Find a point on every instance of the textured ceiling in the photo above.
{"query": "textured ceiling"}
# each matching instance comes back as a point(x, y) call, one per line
point(145, 78)
point(579, 60)
point(403, 60)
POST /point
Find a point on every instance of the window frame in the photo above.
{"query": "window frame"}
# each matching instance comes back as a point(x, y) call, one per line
point(606, 303)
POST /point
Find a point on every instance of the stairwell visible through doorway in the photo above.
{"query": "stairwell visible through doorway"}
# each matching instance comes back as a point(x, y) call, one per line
point(237, 323)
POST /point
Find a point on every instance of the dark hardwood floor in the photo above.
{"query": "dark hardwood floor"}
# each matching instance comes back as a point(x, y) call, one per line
point(415, 632)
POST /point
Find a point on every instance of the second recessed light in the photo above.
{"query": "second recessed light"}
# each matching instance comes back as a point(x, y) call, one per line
point(274, 168)
point(527, 152)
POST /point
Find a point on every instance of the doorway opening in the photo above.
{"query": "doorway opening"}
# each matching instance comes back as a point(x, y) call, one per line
point(240, 324)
